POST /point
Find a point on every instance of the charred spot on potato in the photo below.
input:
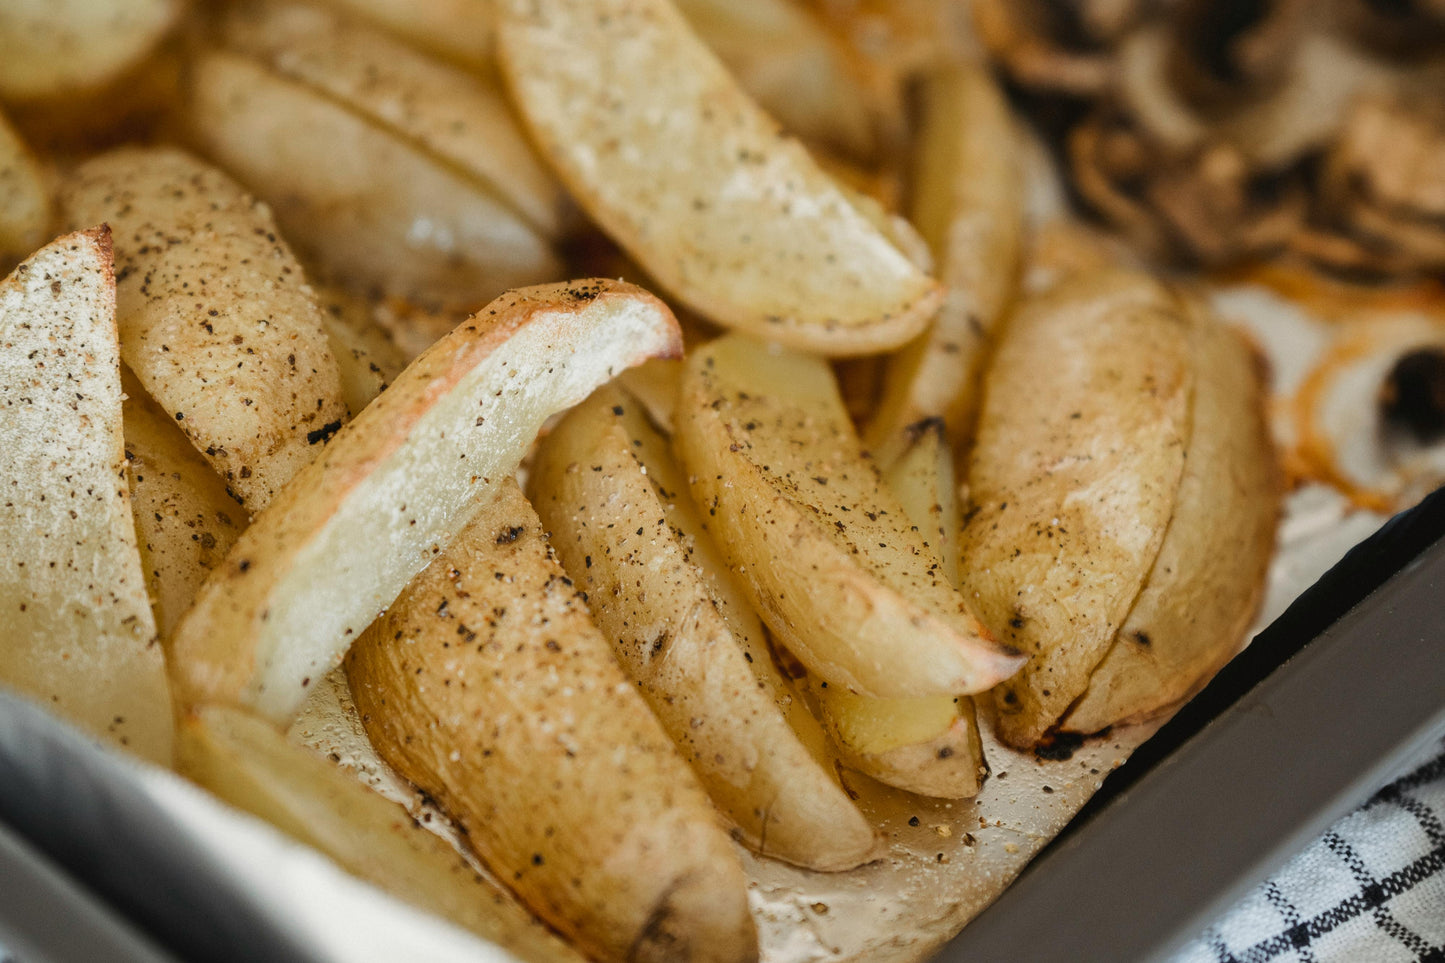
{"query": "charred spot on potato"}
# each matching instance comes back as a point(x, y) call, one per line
point(1058, 746)
point(510, 534)
point(323, 433)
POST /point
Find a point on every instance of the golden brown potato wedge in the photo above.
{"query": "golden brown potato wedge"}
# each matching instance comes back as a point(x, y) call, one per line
point(654, 384)
point(24, 197)
point(243, 759)
point(215, 317)
point(619, 515)
point(488, 686)
point(374, 210)
point(826, 552)
point(366, 356)
point(184, 519)
point(52, 48)
point(663, 149)
point(462, 120)
point(79, 636)
point(928, 745)
point(968, 205)
point(1071, 488)
point(463, 31)
point(1206, 583)
point(397, 483)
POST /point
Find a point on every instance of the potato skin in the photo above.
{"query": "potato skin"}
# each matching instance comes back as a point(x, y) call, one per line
point(1208, 579)
point(1071, 488)
point(621, 519)
point(488, 686)
point(829, 559)
point(214, 314)
point(184, 520)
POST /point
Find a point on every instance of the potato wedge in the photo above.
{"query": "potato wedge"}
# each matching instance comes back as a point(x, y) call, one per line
point(375, 211)
point(968, 204)
point(619, 515)
point(397, 483)
point(243, 759)
point(79, 636)
point(463, 31)
point(826, 552)
point(52, 48)
point(185, 521)
point(25, 208)
point(663, 149)
point(366, 357)
point(1208, 578)
point(792, 66)
point(488, 686)
point(215, 318)
point(927, 745)
point(1071, 489)
point(460, 119)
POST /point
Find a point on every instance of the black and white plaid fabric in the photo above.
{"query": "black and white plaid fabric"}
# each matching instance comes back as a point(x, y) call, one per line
point(1371, 890)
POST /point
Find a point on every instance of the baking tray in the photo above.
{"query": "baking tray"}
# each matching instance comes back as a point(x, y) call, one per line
point(1297, 730)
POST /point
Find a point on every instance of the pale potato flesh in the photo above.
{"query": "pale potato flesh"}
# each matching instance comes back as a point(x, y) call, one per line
point(667, 154)
point(826, 552)
point(396, 484)
point(460, 118)
point(184, 519)
point(928, 745)
point(619, 515)
point(968, 205)
point(488, 686)
point(374, 210)
point(1207, 581)
point(50, 48)
point(242, 759)
point(215, 317)
point(24, 197)
point(79, 635)
point(1073, 479)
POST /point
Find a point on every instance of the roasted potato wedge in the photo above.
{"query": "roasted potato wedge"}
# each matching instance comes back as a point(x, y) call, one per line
point(394, 486)
point(619, 515)
point(54, 48)
point(1071, 489)
point(968, 205)
point(373, 209)
point(243, 759)
point(184, 519)
point(488, 686)
point(1207, 580)
point(79, 635)
point(663, 149)
point(927, 745)
point(215, 317)
point(459, 118)
point(826, 552)
point(25, 209)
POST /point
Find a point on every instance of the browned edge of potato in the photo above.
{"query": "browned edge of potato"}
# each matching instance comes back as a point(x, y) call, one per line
point(395, 485)
point(487, 685)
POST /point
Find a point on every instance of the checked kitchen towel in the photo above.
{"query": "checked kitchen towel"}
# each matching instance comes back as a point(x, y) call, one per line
point(1371, 890)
